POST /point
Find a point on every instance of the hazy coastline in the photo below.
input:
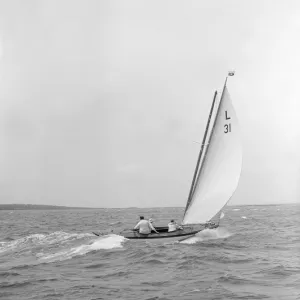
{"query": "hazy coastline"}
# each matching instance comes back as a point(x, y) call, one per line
point(36, 207)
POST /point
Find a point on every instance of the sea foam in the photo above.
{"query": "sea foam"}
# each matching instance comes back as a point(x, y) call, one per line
point(208, 234)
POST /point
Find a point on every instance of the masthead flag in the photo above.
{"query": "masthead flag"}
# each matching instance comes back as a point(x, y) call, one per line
point(230, 73)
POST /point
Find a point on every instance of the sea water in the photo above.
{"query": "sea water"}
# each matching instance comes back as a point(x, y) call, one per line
point(52, 254)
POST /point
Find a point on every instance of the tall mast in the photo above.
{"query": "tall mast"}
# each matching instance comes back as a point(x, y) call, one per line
point(213, 127)
point(200, 153)
point(197, 174)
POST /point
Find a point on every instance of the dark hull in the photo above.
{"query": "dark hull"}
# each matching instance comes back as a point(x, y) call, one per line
point(180, 234)
point(133, 235)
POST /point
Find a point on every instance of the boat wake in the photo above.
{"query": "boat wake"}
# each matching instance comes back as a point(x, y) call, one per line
point(208, 234)
point(57, 246)
point(37, 240)
point(104, 242)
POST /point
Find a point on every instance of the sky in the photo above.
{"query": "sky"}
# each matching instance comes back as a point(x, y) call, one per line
point(104, 103)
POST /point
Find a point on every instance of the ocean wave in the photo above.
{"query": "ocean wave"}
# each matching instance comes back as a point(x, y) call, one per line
point(234, 279)
point(279, 271)
point(153, 261)
point(8, 274)
point(116, 223)
point(233, 246)
point(21, 265)
point(95, 266)
point(14, 284)
point(47, 280)
point(155, 283)
point(112, 274)
point(8, 239)
point(226, 258)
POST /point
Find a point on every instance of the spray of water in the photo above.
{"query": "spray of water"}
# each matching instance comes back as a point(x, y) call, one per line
point(208, 234)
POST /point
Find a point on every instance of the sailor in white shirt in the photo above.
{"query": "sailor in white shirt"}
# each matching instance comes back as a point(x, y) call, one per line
point(144, 226)
point(173, 226)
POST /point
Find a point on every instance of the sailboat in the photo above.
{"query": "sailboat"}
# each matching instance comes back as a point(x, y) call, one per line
point(216, 175)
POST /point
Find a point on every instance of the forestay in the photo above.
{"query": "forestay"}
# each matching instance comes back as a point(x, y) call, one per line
point(221, 166)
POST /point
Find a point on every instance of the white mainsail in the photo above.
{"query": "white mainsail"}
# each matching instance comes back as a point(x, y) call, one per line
point(220, 169)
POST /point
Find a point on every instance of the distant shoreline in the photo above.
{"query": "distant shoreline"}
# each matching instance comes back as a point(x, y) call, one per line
point(57, 207)
point(37, 207)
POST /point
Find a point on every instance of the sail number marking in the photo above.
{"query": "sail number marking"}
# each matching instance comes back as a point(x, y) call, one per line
point(227, 127)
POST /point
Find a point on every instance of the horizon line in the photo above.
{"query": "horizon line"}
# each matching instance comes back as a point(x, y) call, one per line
point(128, 207)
